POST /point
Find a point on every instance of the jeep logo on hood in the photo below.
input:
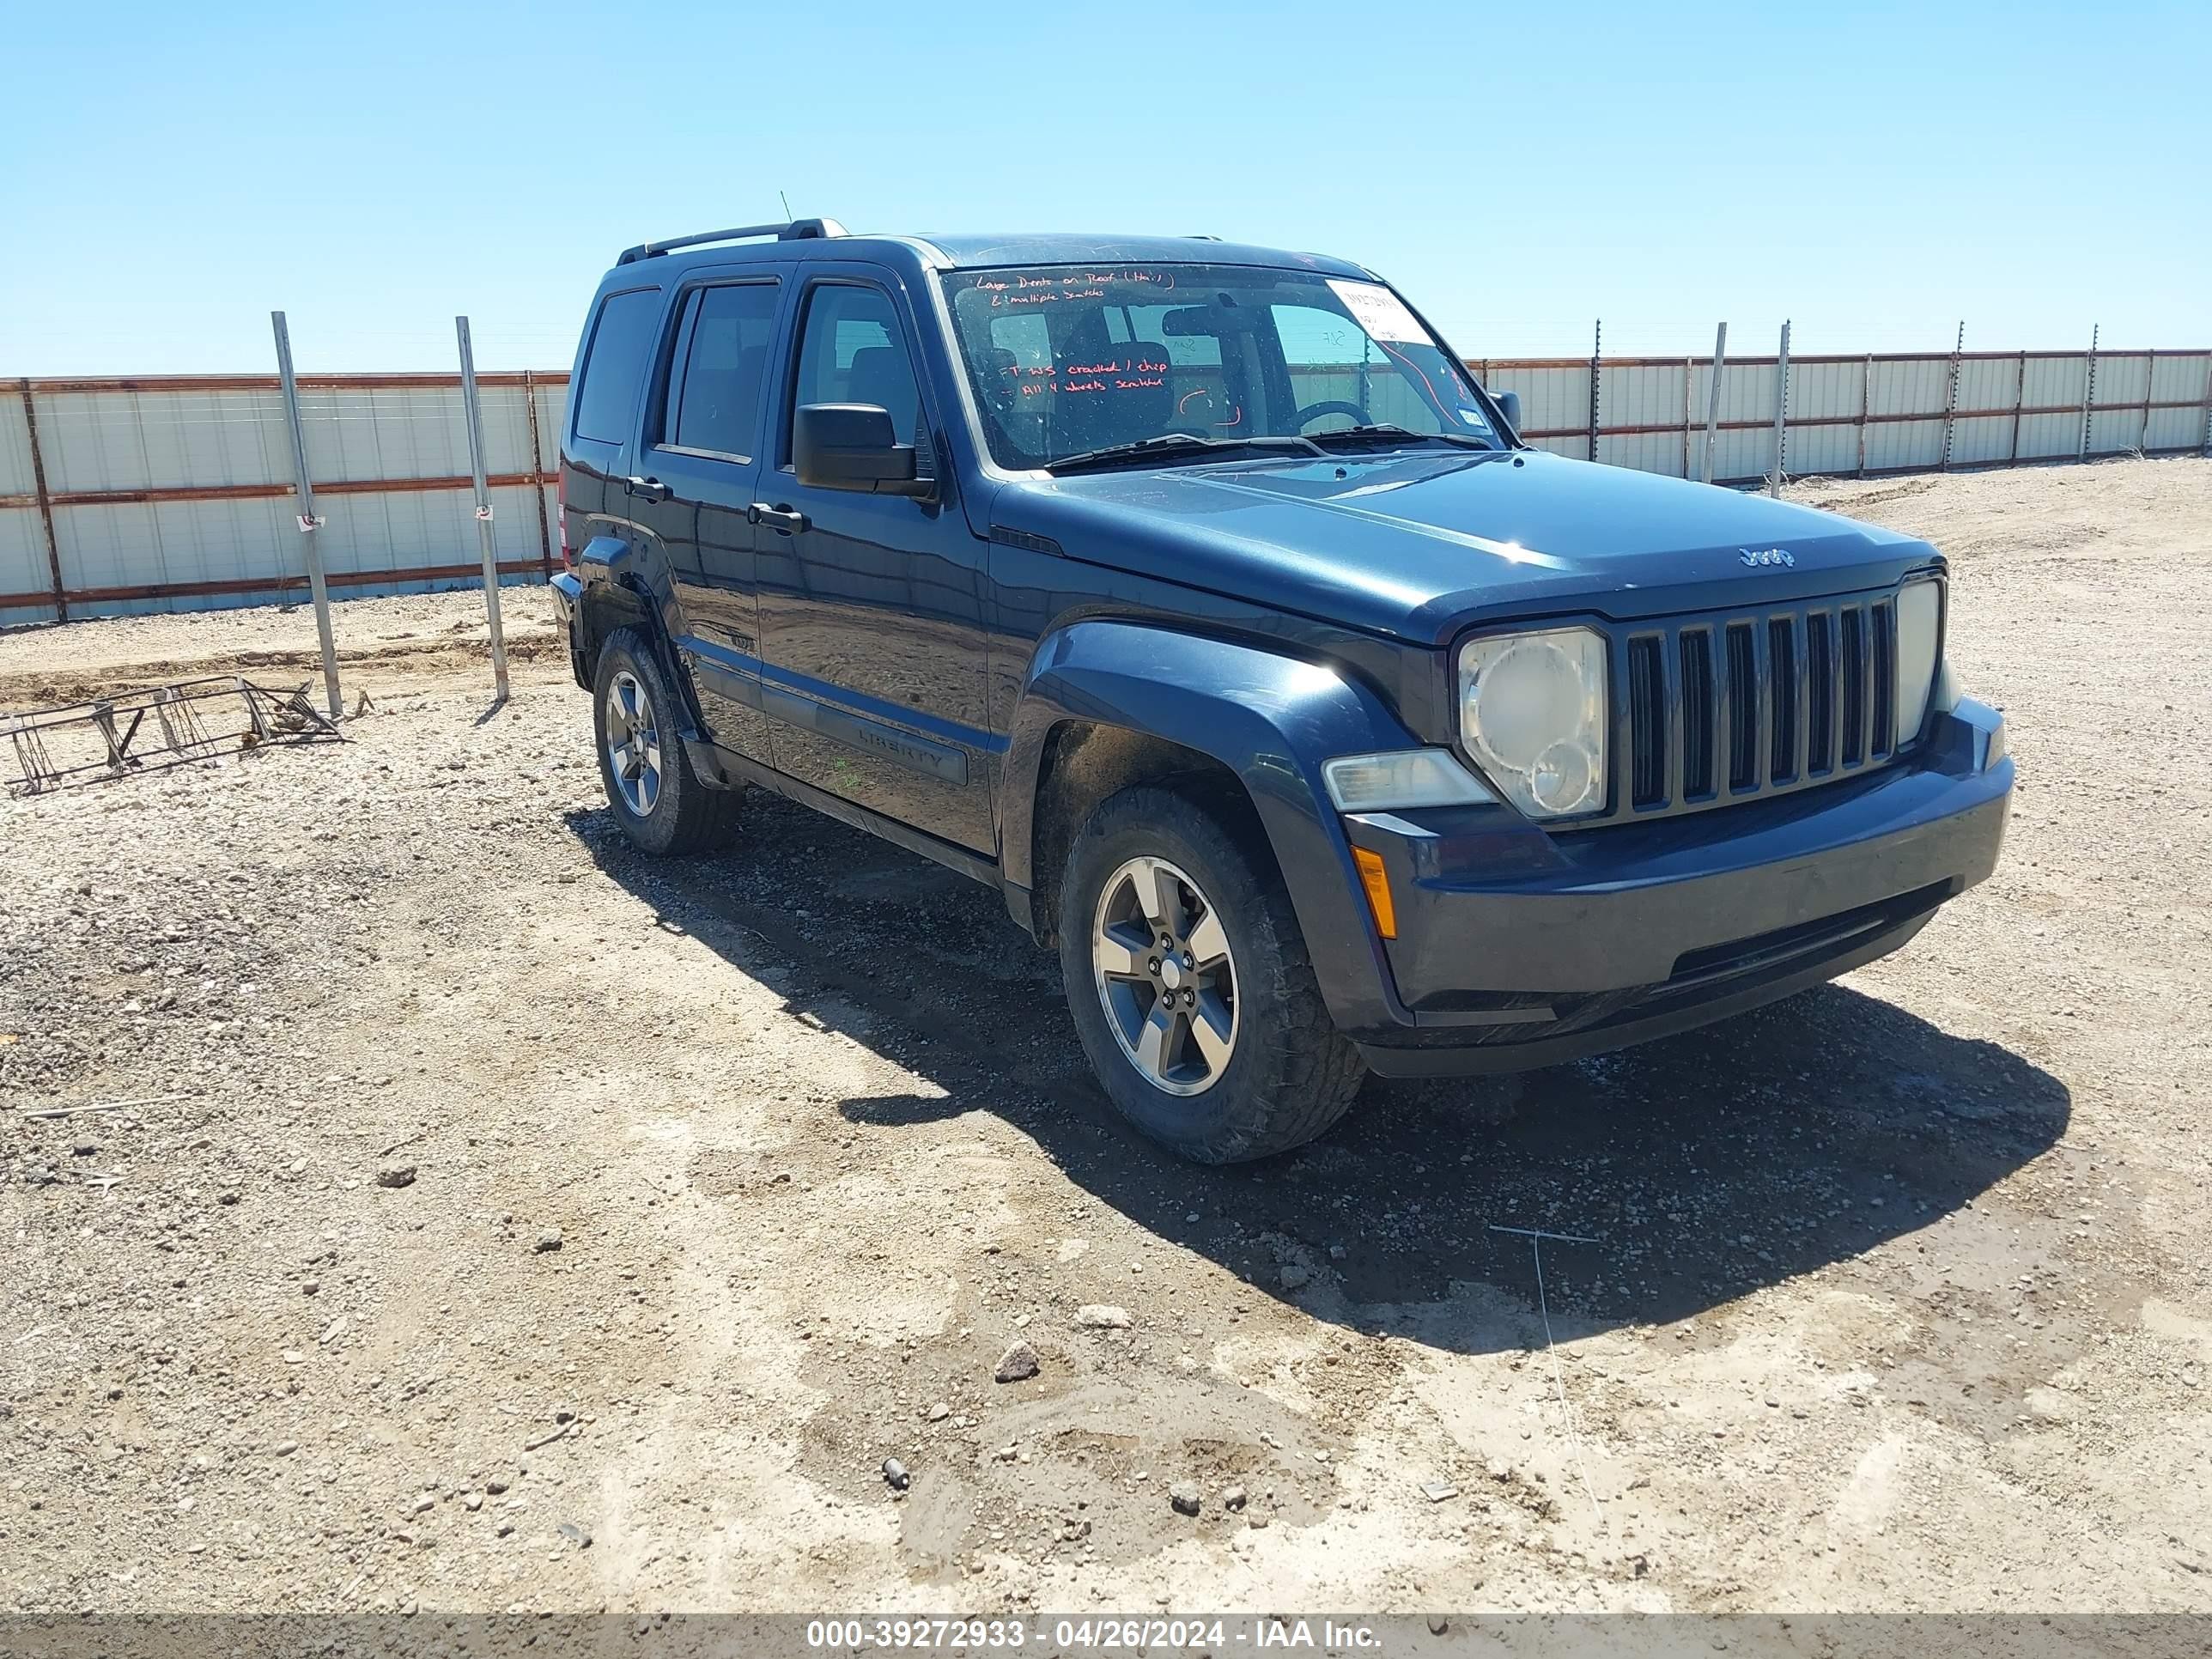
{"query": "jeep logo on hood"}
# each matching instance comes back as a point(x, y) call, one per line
point(1767, 558)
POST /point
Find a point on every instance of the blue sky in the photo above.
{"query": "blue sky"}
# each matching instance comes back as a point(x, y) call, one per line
point(1876, 172)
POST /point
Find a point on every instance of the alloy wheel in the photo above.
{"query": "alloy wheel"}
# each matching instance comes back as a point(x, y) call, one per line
point(1165, 975)
point(633, 744)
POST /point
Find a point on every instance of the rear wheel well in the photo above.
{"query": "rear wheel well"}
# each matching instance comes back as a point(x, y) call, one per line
point(1085, 763)
point(601, 608)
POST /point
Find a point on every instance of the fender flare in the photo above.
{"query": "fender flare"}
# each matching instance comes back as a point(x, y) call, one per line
point(620, 579)
point(1269, 718)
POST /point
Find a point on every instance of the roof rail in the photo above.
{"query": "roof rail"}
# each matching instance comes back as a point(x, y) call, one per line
point(798, 230)
point(1202, 236)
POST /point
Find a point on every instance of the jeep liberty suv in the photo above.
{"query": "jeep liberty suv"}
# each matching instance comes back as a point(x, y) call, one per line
point(1196, 598)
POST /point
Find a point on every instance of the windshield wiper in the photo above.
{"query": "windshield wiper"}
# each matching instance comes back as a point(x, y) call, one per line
point(1170, 446)
point(1388, 430)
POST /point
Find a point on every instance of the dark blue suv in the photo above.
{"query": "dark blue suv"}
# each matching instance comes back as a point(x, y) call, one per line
point(1196, 598)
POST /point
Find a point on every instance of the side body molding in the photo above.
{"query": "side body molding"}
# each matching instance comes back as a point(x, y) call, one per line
point(1270, 719)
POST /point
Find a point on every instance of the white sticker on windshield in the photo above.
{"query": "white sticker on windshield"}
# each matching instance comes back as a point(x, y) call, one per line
point(1378, 311)
point(1473, 418)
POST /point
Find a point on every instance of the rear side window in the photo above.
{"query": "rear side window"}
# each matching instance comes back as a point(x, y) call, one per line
point(606, 403)
point(715, 394)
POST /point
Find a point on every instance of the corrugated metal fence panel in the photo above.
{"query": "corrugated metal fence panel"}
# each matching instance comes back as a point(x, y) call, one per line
point(1643, 393)
point(1905, 445)
point(2184, 380)
point(401, 432)
point(2057, 381)
point(1554, 400)
point(22, 537)
point(424, 528)
point(1824, 393)
point(552, 418)
point(17, 476)
point(1981, 440)
point(1744, 450)
point(147, 439)
point(2122, 378)
point(1985, 382)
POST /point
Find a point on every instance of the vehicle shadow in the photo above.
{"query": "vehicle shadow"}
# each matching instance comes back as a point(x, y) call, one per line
point(1704, 1166)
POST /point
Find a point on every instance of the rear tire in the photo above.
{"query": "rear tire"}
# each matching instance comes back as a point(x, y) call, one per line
point(1218, 1047)
point(660, 801)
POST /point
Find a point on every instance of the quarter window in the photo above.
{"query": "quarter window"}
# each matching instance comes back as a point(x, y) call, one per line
point(606, 401)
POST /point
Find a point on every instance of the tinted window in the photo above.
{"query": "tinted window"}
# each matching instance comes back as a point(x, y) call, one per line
point(714, 395)
point(853, 352)
point(606, 403)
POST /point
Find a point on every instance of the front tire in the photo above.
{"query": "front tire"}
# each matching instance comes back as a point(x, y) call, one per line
point(1190, 984)
point(658, 801)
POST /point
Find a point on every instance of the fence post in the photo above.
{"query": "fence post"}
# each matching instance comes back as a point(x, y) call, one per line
point(1597, 339)
point(1689, 407)
point(2088, 397)
point(45, 503)
point(1713, 403)
point(310, 524)
point(485, 540)
point(2018, 401)
point(538, 478)
point(1866, 409)
point(1781, 410)
point(2205, 448)
point(1951, 396)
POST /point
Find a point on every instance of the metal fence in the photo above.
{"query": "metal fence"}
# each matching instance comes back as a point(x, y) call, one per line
point(176, 492)
point(1864, 414)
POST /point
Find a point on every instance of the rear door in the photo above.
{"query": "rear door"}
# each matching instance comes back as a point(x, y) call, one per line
point(698, 468)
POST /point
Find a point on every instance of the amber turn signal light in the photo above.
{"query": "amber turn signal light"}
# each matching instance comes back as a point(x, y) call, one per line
point(1377, 881)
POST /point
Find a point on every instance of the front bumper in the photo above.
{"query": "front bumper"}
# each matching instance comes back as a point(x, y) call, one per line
point(1517, 948)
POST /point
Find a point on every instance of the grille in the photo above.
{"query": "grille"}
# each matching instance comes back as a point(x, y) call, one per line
point(1728, 706)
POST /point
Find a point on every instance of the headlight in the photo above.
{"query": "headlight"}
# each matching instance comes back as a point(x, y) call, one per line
point(1531, 711)
point(1919, 638)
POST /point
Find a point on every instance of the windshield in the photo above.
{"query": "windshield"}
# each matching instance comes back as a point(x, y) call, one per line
point(1069, 360)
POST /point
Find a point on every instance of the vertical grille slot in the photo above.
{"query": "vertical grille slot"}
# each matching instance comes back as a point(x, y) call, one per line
point(1884, 687)
point(1647, 722)
point(1742, 707)
point(1854, 652)
point(1697, 712)
point(1819, 695)
point(1781, 676)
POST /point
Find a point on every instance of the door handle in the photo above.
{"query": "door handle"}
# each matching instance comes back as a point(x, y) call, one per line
point(648, 489)
point(781, 519)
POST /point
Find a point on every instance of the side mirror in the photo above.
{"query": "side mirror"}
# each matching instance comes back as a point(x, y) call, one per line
point(1509, 405)
point(852, 446)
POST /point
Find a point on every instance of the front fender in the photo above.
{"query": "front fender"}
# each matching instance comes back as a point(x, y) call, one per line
point(1271, 720)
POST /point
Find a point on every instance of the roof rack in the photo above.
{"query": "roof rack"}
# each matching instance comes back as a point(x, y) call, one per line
point(798, 230)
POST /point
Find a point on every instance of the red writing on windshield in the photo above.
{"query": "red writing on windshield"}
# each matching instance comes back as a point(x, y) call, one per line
point(1027, 289)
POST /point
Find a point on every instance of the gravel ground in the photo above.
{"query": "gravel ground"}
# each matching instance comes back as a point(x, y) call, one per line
point(500, 1219)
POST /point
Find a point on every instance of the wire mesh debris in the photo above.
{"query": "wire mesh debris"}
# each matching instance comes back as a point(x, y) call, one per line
point(110, 737)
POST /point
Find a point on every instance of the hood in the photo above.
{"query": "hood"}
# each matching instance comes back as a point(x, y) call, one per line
point(1416, 545)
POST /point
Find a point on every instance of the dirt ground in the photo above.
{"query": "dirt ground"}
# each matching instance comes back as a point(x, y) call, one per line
point(1899, 1295)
